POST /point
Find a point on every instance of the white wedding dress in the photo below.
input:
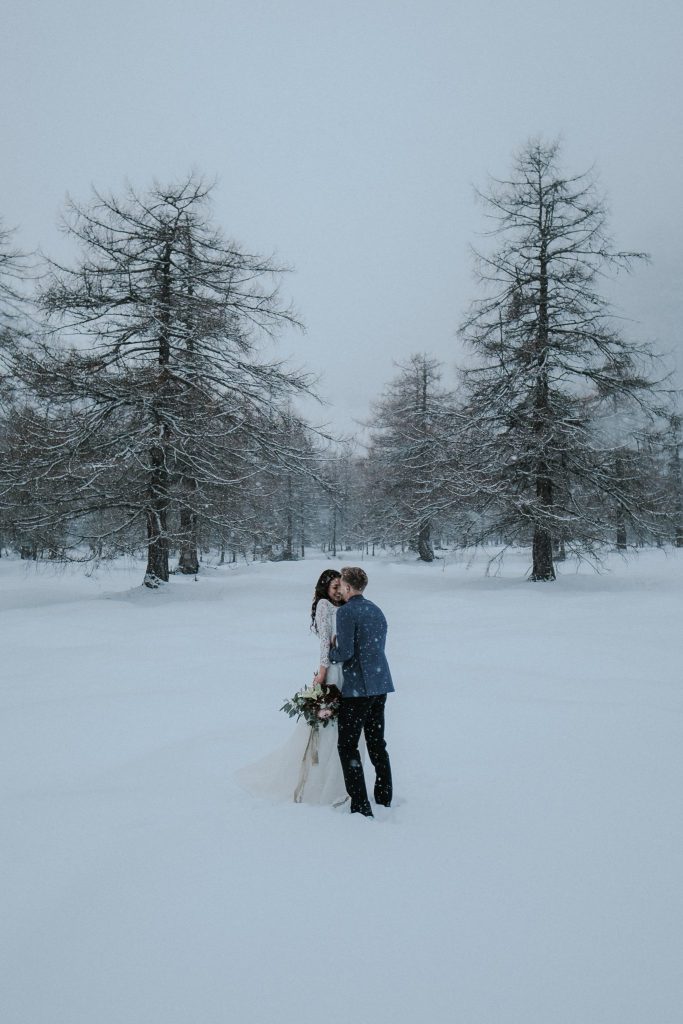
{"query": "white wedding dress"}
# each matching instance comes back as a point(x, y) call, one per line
point(307, 768)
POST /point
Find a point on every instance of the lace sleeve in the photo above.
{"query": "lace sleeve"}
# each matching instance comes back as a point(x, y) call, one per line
point(323, 623)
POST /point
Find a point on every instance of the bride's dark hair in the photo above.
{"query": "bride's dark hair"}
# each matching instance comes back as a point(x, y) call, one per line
point(321, 588)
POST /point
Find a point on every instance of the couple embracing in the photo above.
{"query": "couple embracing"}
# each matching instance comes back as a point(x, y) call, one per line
point(352, 633)
point(323, 764)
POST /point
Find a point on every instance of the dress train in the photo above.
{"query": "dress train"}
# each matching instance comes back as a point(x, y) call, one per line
point(306, 769)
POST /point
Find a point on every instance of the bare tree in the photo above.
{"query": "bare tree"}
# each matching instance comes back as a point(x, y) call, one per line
point(550, 362)
point(159, 364)
point(15, 329)
point(411, 433)
point(674, 477)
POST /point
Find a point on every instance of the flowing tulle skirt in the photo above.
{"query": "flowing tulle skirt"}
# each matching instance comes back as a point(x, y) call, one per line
point(306, 769)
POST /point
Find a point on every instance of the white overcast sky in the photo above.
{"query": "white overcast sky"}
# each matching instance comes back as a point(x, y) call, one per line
point(347, 137)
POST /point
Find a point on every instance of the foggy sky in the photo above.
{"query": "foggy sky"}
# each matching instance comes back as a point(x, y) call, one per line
point(346, 138)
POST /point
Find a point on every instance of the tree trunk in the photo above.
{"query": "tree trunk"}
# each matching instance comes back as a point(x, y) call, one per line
point(424, 543)
point(188, 562)
point(157, 522)
point(157, 550)
point(678, 486)
point(159, 499)
point(620, 511)
point(288, 553)
point(543, 569)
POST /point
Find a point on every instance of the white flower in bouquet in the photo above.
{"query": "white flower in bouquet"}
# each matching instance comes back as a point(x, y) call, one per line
point(315, 704)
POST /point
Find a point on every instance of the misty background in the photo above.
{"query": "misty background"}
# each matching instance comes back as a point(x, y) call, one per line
point(347, 139)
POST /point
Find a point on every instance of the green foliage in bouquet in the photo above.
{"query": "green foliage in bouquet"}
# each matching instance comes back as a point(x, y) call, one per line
point(318, 703)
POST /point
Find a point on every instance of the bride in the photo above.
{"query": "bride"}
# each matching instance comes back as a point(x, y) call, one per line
point(307, 768)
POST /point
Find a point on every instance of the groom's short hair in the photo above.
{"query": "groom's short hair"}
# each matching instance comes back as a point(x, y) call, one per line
point(355, 577)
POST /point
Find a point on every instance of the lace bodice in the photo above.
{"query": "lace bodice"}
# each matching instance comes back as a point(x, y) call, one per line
point(325, 620)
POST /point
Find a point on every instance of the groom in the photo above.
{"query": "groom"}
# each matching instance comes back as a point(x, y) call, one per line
point(361, 634)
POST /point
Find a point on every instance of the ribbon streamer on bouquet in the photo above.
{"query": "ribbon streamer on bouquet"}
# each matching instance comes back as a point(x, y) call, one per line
point(310, 757)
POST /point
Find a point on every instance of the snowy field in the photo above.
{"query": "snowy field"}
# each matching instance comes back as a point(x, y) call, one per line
point(530, 871)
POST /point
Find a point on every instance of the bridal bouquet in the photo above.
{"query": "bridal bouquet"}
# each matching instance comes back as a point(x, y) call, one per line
point(318, 703)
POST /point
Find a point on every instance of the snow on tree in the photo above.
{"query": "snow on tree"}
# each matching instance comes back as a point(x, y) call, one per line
point(554, 387)
point(15, 328)
point(159, 364)
point(411, 447)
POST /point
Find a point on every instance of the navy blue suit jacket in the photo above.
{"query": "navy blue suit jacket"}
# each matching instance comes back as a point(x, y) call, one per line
point(361, 634)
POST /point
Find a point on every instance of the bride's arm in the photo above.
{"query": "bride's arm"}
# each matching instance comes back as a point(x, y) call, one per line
point(343, 648)
point(323, 623)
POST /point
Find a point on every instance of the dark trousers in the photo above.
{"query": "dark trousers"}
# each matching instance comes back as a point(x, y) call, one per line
point(357, 715)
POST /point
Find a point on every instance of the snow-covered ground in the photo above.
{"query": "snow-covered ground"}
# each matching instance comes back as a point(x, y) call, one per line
point(530, 871)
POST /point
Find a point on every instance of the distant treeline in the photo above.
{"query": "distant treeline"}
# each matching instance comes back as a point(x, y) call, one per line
point(139, 413)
